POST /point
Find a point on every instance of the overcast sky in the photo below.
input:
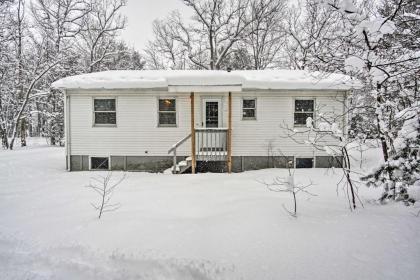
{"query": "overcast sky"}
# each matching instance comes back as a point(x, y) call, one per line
point(140, 15)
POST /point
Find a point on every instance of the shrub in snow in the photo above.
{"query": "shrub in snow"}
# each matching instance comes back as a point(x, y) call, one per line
point(402, 170)
point(318, 134)
point(381, 50)
point(289, 185)
point(104, 186)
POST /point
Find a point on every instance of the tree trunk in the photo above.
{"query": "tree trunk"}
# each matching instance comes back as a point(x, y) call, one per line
point(347, 174)
point(384, 148)
point(23, 133)
point(380, 133)
point(4, 140)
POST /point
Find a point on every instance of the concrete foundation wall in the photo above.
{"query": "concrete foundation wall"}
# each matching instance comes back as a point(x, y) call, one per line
point(161, 163)
point(79, 163)
point(245, 163)
point(118, 163)
point(150, 164)
point(127, 163)
point(327, 162)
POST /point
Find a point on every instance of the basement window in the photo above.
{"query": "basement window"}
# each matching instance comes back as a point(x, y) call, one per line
point(249, 108)
point(105, 113)
point(167, 112)
point(304, 162)
point(304, 108)
point(99, 163)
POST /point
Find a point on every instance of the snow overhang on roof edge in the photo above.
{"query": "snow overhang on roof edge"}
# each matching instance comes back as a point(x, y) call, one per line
point(205, 80)
point(206, 88)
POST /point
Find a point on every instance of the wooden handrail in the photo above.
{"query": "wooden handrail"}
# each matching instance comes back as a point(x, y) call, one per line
point(179, 143)
point(212, 144)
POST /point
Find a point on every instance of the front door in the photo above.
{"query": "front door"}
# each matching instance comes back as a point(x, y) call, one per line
point(212, 113)
point(211, 139)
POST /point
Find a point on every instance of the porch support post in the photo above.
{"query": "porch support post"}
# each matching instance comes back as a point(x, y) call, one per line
point(193, 155)
point(229, 143)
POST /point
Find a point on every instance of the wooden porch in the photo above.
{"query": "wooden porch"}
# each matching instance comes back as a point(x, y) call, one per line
point(207, 143)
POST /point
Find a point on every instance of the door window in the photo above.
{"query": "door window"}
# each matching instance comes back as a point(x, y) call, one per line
point(212, 114)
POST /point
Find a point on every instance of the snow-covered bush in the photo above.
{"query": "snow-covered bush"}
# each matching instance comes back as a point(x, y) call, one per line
point(380, 46)
point(402, 170)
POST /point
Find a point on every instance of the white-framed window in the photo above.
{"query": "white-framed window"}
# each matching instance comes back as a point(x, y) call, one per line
point(105, 111)
point(167, 112)
point(249, 109)
point(99, 163)
point(304, 108)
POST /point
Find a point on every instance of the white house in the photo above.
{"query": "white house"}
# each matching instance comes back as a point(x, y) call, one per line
point(197, 120)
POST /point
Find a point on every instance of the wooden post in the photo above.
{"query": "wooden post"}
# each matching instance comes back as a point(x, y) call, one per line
point(193, 155)
point(229, 152)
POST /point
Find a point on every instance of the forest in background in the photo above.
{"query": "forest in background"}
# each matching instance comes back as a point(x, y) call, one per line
point(376, 42)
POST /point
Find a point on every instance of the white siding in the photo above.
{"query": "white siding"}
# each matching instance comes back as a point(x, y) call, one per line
point(137, 131)
point(274, 111)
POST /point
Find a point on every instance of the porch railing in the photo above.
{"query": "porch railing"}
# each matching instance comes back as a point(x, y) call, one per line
point(173, 150)
point(211, 144)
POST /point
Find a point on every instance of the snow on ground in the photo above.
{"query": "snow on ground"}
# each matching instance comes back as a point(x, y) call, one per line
point(206, 226)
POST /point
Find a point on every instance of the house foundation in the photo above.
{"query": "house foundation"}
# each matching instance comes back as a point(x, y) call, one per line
point(156, 164)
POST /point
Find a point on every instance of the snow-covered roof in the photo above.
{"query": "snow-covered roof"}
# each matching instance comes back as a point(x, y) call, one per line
point(244, 79)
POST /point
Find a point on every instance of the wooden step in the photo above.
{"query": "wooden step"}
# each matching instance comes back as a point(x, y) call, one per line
point(183, 166)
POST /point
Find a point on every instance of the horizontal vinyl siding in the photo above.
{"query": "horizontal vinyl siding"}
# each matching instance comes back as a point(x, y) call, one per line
point(265, 135)
point(137, 130)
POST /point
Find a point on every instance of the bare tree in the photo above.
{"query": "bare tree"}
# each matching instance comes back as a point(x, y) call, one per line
point(216, 32)
point(6, 75)
point(30, 67)
point(19, 40)
point(51, 40)
point(267, 35)
point(59, 22)
point(289, 185)
point(311, 37)
point(101, 28)
point(165, 52)
point(326, 134)
point(105, 187)
point(60, 19)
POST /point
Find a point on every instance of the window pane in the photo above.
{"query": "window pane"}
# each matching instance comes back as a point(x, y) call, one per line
point(304, 162)
point(104, 104)
point(212, 114)
point(304, 105)
point(99, 163)
point(300, 118)
point(248, 103)
point(167, 118)
point(167, 105)
point(105, 118)
point(249, 113)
